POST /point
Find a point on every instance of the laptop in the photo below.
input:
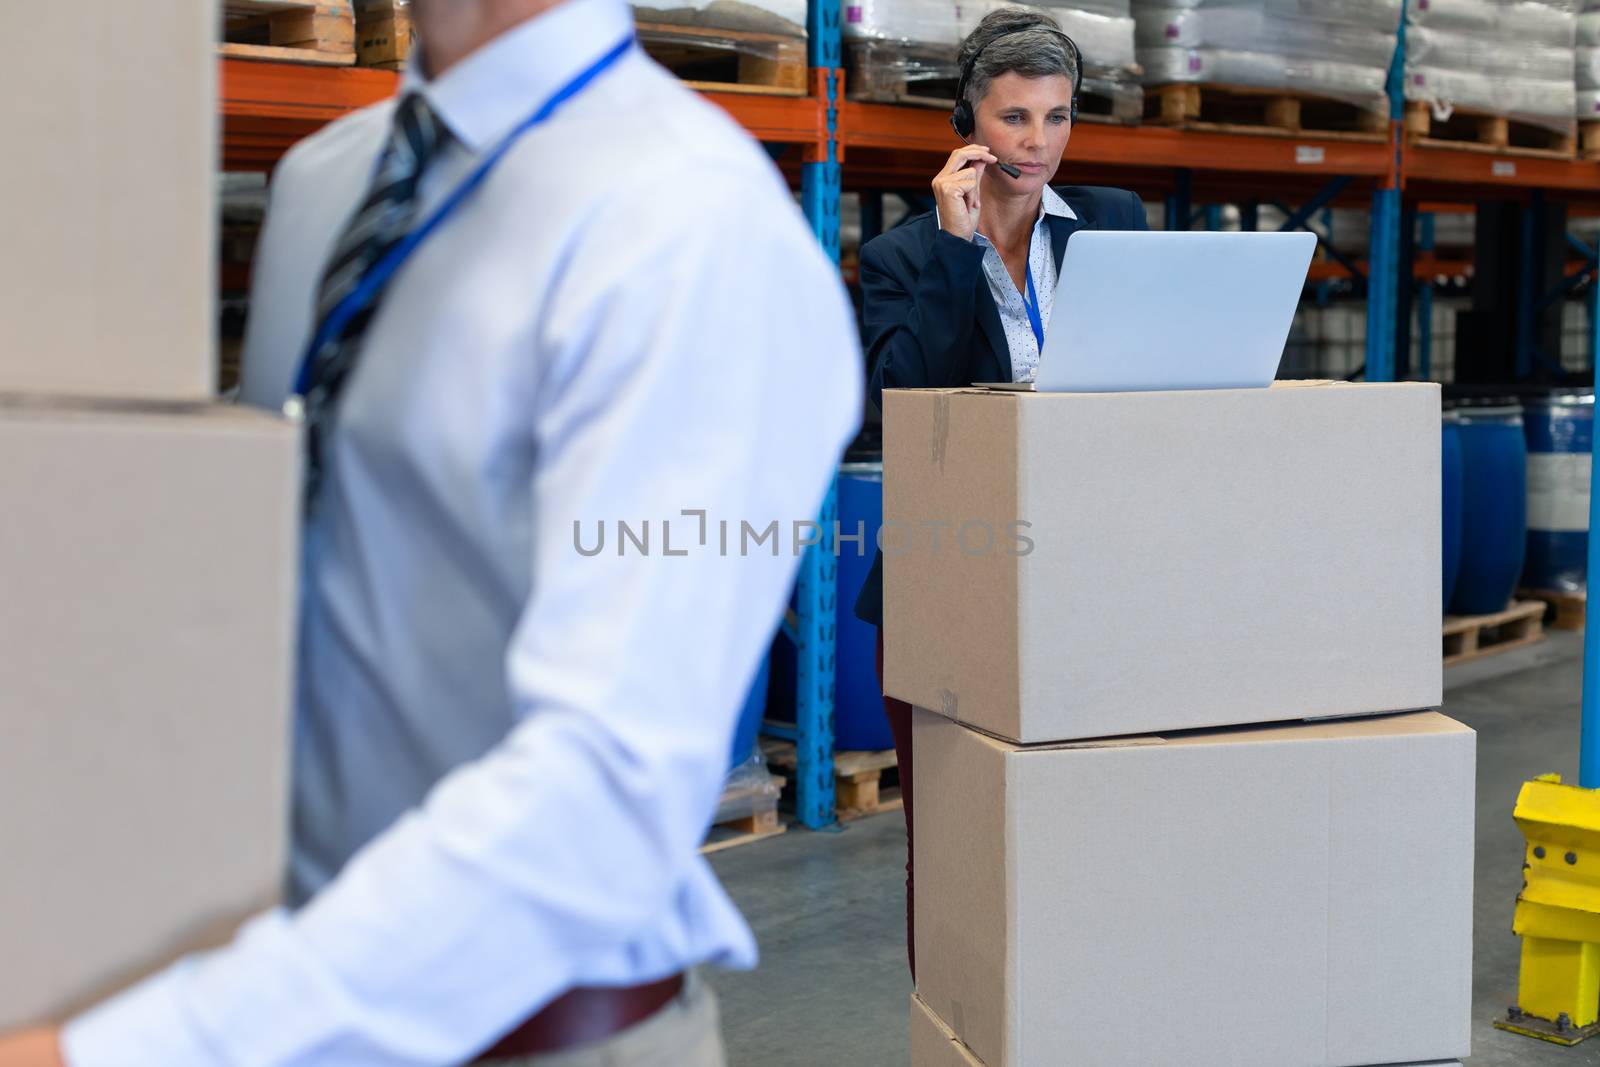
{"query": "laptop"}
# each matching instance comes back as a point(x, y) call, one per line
point(1141, 311)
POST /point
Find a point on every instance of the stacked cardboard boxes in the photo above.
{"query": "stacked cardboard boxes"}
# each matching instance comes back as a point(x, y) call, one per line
point(149, 546)
point(1181, 797)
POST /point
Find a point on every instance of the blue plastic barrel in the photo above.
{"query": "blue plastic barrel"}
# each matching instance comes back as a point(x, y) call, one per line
point(755, 708)
point(1494, 498)
point(858, 719)
point(859, 723)
point(1559, 430)
point(1450, 499)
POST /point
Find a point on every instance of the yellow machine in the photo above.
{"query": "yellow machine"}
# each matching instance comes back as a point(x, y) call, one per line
point(1558, 913)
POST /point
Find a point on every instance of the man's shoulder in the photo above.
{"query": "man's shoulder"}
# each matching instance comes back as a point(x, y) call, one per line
point(663, 121)
point(1103, 206)
point(331, 147)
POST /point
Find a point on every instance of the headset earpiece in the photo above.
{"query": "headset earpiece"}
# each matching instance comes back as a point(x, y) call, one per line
point(961, 118)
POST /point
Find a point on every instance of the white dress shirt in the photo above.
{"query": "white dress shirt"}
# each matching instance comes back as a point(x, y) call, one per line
point(507, 752)
point(1009, 299)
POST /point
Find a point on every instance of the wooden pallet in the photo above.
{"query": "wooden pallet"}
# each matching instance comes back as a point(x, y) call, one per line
point(1272, 112)
point(1567, 609)
point(728, 61)
point(1474, 131)
point(859, 786)
point(1589, 139)
point(295, 31)
point(383, 33)
point(760, 824)
point(885, 72)
point(1470, 637)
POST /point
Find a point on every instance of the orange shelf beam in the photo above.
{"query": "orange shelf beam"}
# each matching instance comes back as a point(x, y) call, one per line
point(1426, 267)
point(1446, 174)
point(267, 107)
point(776, 119)
point(888, 126)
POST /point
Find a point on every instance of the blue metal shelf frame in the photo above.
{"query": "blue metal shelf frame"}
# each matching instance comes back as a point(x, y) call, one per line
point(1589, 738)
point(1383, 248)
point(816, 591)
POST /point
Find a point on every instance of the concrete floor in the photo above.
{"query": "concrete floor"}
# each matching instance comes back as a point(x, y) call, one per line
point(826, 907)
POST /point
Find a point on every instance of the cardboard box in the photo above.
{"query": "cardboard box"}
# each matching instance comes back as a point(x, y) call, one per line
point(107, 201)
point(383, 40)
point(1197, 559)
point(1289, 896)
point(148, 563)
point(934, 1044)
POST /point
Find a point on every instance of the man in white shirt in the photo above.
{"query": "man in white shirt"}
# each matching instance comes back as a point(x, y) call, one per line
point(507, 750)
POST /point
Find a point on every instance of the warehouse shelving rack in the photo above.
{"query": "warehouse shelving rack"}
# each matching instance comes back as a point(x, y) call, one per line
point(830, 143)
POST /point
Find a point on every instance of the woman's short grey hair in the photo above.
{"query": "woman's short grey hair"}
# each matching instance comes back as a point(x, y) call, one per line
point(1015, 40)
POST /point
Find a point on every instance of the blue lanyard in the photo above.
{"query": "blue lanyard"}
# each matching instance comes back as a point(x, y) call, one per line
point(380, 272)
point(1032, 304)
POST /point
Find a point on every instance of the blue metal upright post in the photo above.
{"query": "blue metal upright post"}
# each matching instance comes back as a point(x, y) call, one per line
point(1382, 273)
point(1383, 252)
point(1179, 205)
point(1589, 739)
point(814, 657)
point(817, 588)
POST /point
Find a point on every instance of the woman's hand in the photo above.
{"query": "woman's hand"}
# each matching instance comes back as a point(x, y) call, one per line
point(31, 1048)
point(955, 190)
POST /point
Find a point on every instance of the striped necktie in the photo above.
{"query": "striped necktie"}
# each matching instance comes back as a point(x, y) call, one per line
point(382, 221)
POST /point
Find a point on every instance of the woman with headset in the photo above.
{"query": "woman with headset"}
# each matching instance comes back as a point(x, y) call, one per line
point(964, 293)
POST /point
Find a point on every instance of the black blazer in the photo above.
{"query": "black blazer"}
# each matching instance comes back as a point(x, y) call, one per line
point(929, 320)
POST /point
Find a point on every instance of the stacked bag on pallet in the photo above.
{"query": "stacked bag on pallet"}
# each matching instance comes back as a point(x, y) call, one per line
point(901, 49)
point(1588, 61)
point(1339, 50)
point(1178, 802)
point(1507, 58)
point(150, 544)
point(784, 17)
point(384, 32)
point(767, 38)
point(1103, 29)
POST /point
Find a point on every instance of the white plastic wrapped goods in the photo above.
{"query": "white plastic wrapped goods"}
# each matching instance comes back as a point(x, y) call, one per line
point(1106, 41)
point(1538, 22)
point(1520, 22)
point(1589, 105)
point(1263, 70)
point(1486, 54)
point(1589, 68)
point(1542, 102)
point(787, 17)
point(1120, 9)
point(1500, 57)
point(910, 21)
point(1340, 50)
point(1252, 28)
point(1379, 14)
point(1469, 15)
